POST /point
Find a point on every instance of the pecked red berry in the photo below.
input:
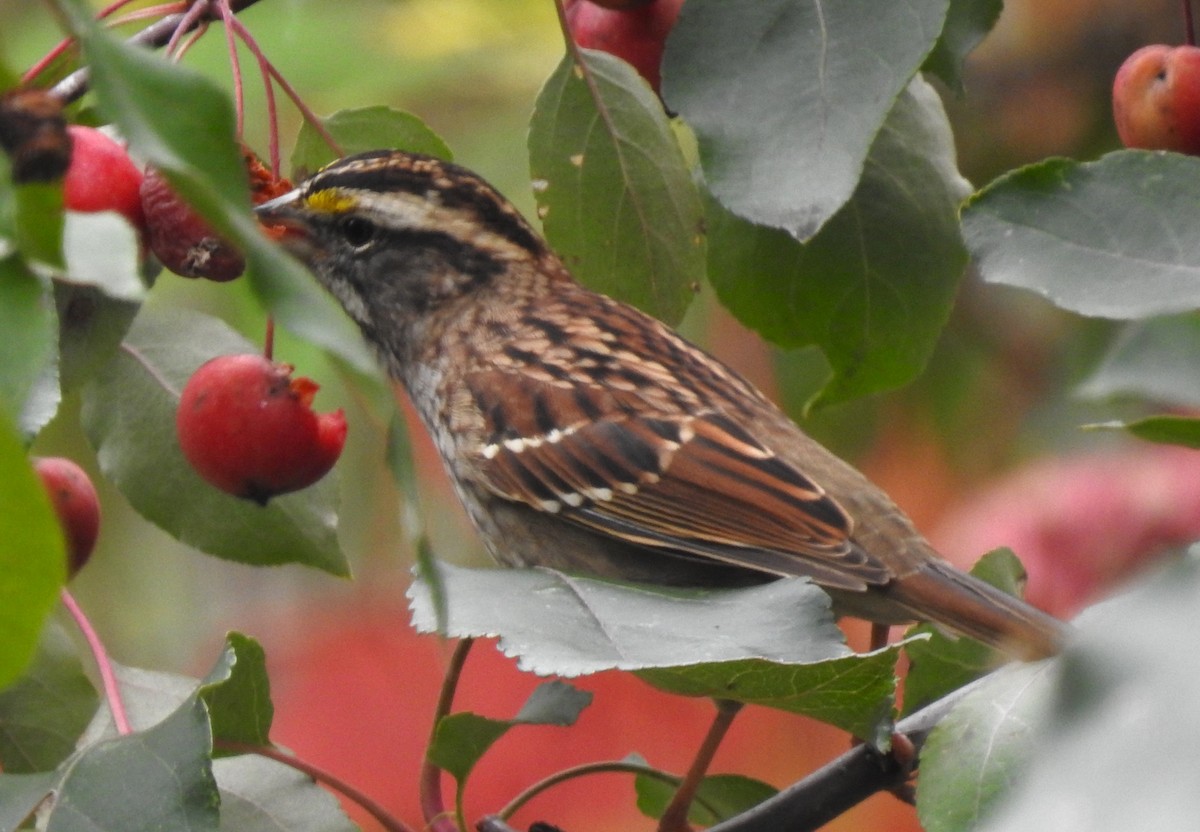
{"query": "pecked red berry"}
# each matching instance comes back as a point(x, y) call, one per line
point(248, 428)
point(181, 239)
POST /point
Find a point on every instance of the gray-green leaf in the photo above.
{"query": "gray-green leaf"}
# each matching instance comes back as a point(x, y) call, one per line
point(1114, 238)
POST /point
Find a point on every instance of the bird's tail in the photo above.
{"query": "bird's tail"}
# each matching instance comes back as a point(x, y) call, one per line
point(968, 606)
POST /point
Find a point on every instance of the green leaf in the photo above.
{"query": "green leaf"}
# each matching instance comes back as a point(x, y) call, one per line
point(361, 129)
point(1114, 238)
point(1155, 360)
point(129, 417)
point(874, 288)
point(156, 779)
point(20, 795)
point(44, 712)
point(238, 693)
point(39, 222)
point(262, 795)
point(1124, 701)
point(32, 556)
point(614, 192)
point(461, 740)
point(149, 696)
point(942, 663)
point(854, 693)
point(29, 392)
point(973, 756)
point(967, 23)
point(183, 124)
point(774, 644)
point(721, 796)
point(1167, 430)
point(91, 326)
point(103, 250)
point(787, 96)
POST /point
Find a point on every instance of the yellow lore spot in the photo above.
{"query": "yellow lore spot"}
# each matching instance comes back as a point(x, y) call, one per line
point(331, 201)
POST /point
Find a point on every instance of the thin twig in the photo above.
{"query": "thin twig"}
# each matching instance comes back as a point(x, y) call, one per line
point(154, 36)
point(372, 807)
point(108, 677)
point(675, 816)
point(433, 805)
point(588, 769)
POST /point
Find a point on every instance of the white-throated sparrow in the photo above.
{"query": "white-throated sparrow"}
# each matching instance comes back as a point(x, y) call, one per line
point(584, 435)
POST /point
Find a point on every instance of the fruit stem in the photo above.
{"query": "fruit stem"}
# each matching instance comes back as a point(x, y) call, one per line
point(107, 676)
point(1189, 23)
point(585, 769)
point(235, 64)
point(269, 339)
point(433, 807)
point(190, 19)
point(264, 68)
point(372, 807)
point(305, 111)
point(157, 34)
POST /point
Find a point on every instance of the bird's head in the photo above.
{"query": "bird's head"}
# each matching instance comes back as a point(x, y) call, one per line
point(399, 237)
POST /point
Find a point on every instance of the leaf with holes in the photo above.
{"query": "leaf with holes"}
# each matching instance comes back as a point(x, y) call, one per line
point(613, 189)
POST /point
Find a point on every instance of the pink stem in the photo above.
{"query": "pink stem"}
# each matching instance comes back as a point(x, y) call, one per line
point(161, 10)
point(189, 19)
point(38, 68)
point(264, 67)
point(235, 65)
point(109, 679)
point(305, 112)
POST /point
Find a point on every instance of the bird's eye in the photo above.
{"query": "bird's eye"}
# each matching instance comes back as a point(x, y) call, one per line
point(357, 231)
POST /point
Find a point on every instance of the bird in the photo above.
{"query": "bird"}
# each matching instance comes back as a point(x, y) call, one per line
point(582, 434)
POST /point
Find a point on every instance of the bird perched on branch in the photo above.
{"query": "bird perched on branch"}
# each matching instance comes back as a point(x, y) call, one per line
point(584, 435)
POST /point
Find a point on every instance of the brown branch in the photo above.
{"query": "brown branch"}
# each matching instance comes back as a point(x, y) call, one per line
point(845, 782)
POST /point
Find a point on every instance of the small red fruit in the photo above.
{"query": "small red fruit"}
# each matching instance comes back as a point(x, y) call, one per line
point(635, 32)
point(248, 428)
point(181, 239)
point(101, 176)
point(76, 504)
point(1156, 99)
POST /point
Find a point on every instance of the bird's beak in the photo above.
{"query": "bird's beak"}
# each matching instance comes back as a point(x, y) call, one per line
point(284, 222)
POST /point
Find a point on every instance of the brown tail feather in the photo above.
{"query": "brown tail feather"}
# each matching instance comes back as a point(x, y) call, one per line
point(939, 593)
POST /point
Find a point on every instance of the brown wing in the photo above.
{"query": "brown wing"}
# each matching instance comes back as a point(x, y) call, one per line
point(695, 484)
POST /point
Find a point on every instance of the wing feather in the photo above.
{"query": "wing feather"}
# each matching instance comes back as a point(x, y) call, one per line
point(694, 484)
